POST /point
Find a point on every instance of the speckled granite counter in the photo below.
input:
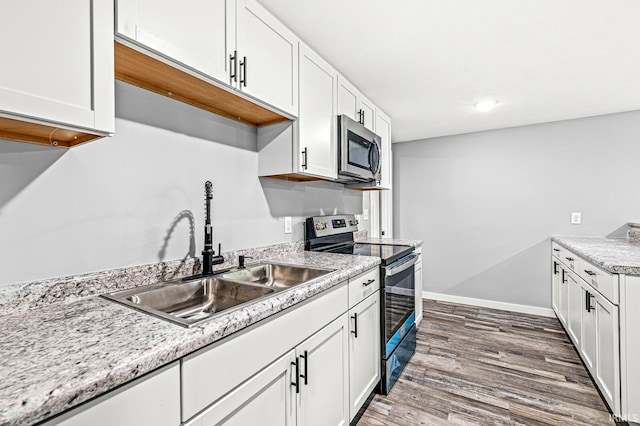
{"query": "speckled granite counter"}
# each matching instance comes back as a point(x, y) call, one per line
point(400, 242)
point(615, 255)
point(60, 355)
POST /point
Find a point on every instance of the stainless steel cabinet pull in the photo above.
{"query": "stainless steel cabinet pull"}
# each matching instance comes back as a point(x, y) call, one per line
point(233, 65)
point(297, 382)
point(368, 283)
point(305, 376)
point(243, 71)
point(355, 325)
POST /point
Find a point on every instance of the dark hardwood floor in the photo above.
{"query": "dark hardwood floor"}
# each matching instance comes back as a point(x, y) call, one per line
point(479, 366)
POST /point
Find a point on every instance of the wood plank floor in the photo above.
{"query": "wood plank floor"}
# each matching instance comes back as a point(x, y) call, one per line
point(479, 366)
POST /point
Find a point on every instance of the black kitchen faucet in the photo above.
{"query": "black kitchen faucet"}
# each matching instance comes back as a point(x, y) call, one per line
point(208, 254)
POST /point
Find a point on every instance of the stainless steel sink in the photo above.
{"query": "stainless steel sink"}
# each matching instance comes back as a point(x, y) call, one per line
point(276, 275)
point(189, 303)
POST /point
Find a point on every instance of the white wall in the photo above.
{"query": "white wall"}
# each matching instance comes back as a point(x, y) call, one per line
point(486, 203)
point(112, 203)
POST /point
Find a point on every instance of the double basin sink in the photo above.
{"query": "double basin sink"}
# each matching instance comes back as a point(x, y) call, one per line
point(190, 301)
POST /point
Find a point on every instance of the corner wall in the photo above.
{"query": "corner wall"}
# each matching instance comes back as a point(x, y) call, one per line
point(486, 203)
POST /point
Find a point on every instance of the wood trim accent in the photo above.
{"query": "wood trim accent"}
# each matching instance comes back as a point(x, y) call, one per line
point(294, 177)
point(139, 69)
point(41, 134)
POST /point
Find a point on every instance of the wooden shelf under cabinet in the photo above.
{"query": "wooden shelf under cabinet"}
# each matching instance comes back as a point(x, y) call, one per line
point(142, 70)
point(25, 131)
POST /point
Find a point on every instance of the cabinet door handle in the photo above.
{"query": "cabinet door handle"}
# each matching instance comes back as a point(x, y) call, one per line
point(556, 250)
point(555, 268)
point(588, 306)
point(304, 156)
point(367, 283)
point(297, 370)
point(243, 71)
point(563, 276)
point(355, 325)
point(233, 65)
point(305, 376)
point(590, 273)
point(570, 259)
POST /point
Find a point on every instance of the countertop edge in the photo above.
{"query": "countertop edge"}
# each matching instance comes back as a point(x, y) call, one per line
point(613, 267)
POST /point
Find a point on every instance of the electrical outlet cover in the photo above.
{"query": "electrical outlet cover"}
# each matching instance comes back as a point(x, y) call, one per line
point(287, 224)
point(576, 218)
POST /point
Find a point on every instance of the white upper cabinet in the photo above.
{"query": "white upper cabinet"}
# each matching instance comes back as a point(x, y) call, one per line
point(348, 99)
point(267, 57)
point(57, 70)
point(367, 114)
point(317, 133)
point(192, 32)
point(234, 42)
point(353, 103)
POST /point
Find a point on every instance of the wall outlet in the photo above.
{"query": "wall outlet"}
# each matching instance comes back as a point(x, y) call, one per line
point(576, 218)
point(287, 224)
point(365, 214)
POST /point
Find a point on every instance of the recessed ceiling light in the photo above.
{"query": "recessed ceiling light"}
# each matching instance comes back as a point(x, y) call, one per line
point(486, 105)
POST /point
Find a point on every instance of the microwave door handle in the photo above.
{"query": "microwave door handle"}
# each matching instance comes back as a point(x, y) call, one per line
point(402, 267)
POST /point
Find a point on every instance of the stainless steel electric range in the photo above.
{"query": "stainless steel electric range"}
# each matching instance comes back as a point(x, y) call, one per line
point(334, 234)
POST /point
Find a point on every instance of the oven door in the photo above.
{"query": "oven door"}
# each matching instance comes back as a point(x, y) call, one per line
point(359, 153)
point(399, 299)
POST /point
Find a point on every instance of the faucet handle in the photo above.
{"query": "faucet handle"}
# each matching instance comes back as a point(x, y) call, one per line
point(241, 259)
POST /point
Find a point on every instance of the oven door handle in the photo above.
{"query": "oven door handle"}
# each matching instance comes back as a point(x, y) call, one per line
point(402, 267)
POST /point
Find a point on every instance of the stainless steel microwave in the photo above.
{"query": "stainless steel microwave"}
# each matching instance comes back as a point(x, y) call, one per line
point(358, 152)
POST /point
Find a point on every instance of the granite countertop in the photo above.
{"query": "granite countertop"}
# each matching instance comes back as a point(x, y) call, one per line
point(396, 241)
point(57, 356)
point(615, 255)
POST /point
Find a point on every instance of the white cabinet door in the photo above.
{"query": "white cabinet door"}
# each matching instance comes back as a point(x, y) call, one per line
point(588, 329)
point(317, 144)
point(368, 111)
point(266, 399)
point(555, 286)
point(347, 99)
point(563, 297)
point(267, 57)
point(151, 400)
point(57, 63)
point(324, 390)
point(191, 32)
point(574, 306)
point(607, 350)
point(418, 271)
point(383, 129)
point(364, 351)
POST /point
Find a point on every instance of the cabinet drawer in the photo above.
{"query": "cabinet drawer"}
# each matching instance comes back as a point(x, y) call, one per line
point(557, 250)
point(363, 286)
point(603, 281)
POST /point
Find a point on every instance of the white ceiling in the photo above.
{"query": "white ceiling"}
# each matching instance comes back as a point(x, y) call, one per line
point(426, 62)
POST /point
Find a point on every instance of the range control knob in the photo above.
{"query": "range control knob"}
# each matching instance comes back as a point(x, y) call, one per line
point(321, 225)
point(353, 222)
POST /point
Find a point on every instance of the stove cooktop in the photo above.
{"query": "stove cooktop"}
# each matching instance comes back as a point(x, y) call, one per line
point(387, 253)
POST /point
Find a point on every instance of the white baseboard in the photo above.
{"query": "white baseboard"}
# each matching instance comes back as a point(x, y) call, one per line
point(513, 307)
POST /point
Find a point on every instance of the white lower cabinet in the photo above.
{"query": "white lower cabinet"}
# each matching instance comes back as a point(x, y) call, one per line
point(364, 351)
point(595, 325)
point(266, 399)
point(323, 379)
point(574, 306)
point(150, 400)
